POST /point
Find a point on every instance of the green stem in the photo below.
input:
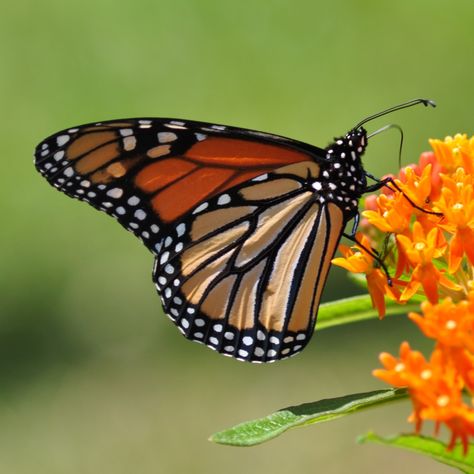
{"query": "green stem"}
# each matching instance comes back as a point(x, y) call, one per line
point(358, 308)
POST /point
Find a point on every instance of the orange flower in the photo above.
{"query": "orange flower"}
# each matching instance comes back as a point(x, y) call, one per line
point(392, 215)
point(457, 205)
point(420, 251)
point(463, 360)
point(453, 152)
point(449, 323)
point(416, 187)
point(357, 260)
point(461, 424)
point(409, 370)
point(426, 244)
point(429, 158)
point(416, 184)
point(441, 401)
point(435, 388)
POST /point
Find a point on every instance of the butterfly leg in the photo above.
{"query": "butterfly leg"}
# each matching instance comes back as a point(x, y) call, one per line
point(372, 252)
point(355, 225)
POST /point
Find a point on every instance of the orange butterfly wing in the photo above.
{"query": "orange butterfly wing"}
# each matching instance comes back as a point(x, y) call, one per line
point(172, 165)
point(210, 202)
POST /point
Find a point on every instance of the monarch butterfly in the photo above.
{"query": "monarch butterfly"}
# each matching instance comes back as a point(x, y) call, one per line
point(242, 224)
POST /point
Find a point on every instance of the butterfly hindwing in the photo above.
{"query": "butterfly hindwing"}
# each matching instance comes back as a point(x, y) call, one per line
point(243, 273)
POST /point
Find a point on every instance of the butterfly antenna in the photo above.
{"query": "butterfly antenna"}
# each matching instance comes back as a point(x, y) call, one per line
point(388, 127)
point(410, 103)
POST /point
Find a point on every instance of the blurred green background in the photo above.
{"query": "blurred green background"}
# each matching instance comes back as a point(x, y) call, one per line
point(93, 378)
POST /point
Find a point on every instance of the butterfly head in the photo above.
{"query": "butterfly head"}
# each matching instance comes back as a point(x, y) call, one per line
point(357, 140)
point(353, 143)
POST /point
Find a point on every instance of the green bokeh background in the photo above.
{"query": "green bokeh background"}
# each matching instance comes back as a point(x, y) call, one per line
point(93, 378)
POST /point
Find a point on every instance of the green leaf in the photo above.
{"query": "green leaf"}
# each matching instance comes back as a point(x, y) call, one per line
point(258, 431)
point(357, 308)
point(430, 447)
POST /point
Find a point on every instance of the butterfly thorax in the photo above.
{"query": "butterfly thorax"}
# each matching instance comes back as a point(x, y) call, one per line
point(342, 178)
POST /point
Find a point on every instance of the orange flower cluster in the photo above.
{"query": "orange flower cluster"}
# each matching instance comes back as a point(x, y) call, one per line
point(425, 228)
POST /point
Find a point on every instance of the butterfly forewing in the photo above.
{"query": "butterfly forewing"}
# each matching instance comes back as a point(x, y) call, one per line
point(148, 173)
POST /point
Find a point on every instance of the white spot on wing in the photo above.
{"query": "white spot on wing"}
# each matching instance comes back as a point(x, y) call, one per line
point(140, 214)
point(133, 201)
point(259, 352)
point(224, 199)
point(62, 139)
point(200, 208)
point(175, 124)
point(162, 280)
point(58, 155)
point(115, 193)
point(166, 137)
point(129, 143)
point(180, 229)
point(164, 258)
